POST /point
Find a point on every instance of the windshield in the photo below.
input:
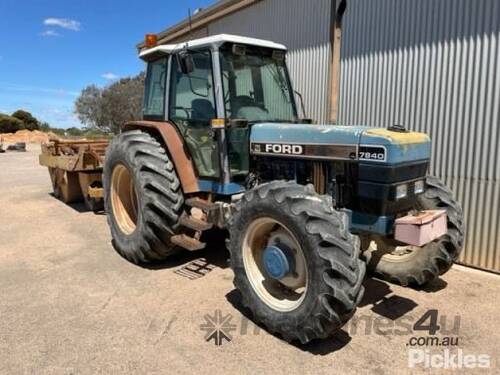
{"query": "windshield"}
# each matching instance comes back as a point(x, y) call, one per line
point(256, 86)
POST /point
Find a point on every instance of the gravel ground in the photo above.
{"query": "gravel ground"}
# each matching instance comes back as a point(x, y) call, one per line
point(70, 304)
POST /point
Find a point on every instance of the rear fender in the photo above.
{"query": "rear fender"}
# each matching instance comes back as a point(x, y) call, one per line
point(172, 140)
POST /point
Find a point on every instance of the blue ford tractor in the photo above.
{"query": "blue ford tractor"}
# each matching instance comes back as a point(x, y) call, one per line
point(308, 208)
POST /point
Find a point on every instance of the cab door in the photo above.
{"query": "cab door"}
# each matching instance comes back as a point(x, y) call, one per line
point(192, 107)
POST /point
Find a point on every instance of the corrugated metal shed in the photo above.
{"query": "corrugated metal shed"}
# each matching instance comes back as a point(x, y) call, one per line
point(434, 66)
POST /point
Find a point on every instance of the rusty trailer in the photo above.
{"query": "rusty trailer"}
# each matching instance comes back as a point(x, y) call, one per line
point(75, 168)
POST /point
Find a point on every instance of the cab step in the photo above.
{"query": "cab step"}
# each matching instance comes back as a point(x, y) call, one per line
point(202, 204)
point(194, 223)
point(186, 242)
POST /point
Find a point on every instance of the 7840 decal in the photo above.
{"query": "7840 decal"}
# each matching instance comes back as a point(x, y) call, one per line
point(372, 153)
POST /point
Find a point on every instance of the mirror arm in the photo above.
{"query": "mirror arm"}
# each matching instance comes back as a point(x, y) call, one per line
point(301, 102)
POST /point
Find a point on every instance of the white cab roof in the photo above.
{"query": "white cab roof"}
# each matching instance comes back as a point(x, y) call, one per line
point(211, 41)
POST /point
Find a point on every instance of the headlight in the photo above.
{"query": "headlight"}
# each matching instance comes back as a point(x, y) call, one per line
point(419, 187)
point(401, 191)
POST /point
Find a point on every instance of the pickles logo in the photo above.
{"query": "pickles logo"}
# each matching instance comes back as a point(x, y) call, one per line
point(448, 359)
point(218, 327)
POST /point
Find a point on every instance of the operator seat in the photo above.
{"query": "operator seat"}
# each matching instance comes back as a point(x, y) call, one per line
point(244, 106)
point(197, 137)
point(203, 110)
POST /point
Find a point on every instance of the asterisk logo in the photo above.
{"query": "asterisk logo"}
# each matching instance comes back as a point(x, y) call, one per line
point(218, 327)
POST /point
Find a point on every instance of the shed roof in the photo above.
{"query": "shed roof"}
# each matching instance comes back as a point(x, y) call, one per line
point(218, 10)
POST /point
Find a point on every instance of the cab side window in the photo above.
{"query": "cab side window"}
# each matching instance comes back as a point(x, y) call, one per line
point(192, 99)
point(154, 96)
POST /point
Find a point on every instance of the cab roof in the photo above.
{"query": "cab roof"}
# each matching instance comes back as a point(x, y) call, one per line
point(214, 41)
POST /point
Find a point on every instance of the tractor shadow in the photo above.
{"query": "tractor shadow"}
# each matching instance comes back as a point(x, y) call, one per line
point(79, 207)
point(379, 296)
point(383, 303)
point(196, 264)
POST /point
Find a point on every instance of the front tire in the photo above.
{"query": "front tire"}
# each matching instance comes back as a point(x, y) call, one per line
point(325, 286)
point(416, 266)
point(142, 197)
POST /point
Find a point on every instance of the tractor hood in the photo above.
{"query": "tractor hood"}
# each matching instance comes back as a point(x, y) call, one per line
point(335, 142)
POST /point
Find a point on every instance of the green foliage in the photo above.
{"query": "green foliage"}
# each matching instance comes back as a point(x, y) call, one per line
point(30, 122)
point(44, 126)
point(96, 133)
point(109, 108)
point(74, 132)
point(9, 124)
point(58, 131)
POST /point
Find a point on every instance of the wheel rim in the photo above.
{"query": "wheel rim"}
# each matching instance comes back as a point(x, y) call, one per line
point(394, 253)
point(287, 293)
point(123, 199)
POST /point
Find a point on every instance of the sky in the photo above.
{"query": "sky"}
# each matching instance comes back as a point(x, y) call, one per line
point(50, 50)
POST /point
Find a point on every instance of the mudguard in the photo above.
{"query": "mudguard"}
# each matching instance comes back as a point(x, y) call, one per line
point(175, 146)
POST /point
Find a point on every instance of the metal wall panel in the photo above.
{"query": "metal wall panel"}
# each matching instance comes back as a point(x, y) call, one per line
point(304, 27)
point(434, 66)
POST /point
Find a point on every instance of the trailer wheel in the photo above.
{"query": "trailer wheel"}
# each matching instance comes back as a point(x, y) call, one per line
point(412, 265)
point(294, 261)
point(143, 197)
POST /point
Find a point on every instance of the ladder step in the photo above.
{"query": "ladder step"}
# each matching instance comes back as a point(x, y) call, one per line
point(194, 223)
point(186, 242)
point(202, 204)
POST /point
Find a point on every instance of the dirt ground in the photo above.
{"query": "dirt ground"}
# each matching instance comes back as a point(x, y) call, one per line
point(69, 304)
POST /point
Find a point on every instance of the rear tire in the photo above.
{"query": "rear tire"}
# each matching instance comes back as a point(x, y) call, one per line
point(430, 261)
point(334, 271)
point(142, 197)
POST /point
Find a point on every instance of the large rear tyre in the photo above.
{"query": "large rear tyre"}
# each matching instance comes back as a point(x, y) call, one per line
point(294, 261)
point(142, 196)
point(416, 266)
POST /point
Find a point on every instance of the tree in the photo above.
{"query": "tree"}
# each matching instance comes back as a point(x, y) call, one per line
point(74, 132)
point(9, 124)
point(109, 108)
point(88, 107)
point(44, 126)
point(30, 122)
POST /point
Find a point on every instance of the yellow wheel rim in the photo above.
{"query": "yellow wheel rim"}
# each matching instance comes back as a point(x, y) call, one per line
point(123, 199)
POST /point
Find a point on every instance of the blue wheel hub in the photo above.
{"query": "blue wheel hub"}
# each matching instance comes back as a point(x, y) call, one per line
point(278, 262)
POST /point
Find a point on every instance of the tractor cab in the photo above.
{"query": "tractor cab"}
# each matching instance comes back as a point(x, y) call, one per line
point(213, 89)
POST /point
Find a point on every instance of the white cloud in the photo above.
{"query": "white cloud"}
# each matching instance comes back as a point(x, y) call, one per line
point(65, 23)
point(50, 33)
point(110, 76)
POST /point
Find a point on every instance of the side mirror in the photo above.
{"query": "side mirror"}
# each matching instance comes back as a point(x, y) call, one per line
point(186, 62)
